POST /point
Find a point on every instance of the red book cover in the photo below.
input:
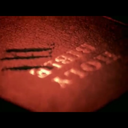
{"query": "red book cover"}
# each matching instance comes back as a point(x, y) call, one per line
point(62, 63)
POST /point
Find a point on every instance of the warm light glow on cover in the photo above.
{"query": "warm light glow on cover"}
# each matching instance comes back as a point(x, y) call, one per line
point(32, 72)
point(62, 82)
point(42, 73)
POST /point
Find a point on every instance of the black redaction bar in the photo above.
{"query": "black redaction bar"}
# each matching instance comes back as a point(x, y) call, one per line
point(26, 67)
point(28, 50)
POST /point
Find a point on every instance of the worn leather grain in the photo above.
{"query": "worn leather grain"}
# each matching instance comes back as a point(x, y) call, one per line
point(66, 33)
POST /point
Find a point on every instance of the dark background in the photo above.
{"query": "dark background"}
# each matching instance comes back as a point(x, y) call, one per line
point(119, 105)
point(123, 19)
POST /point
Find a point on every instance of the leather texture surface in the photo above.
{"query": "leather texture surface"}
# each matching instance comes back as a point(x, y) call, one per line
point(61, 34)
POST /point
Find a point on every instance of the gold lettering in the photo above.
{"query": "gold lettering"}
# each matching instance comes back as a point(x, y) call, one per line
point(91, 65)
point(32, 72)
point(62, 82)
point(64, 59)
point(107, 57)
point(42, 73)
point(75, 53)
point(97, 65)
point(91, 48)
point(76, 72)
point(53, 64)
point(85, 48)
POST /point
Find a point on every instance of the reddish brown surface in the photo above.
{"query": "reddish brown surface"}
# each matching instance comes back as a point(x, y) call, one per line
point(89, 94)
